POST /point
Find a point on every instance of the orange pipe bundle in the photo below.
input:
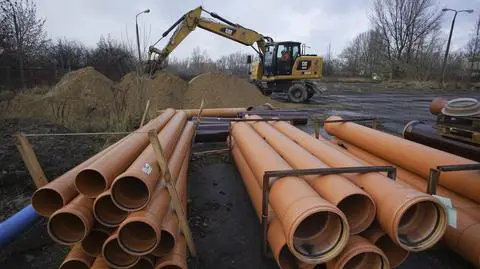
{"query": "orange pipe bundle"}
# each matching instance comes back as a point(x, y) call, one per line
point(106, 212)
point(394, 253)
point(115, 256)
point(97, 177)
point(409, 155)
point(359, 253)
point(72, 223)
point(147, 223)
point(302, 210)
point(131, 191)
point(77, 259)
point(414, 220)
point(355, 203)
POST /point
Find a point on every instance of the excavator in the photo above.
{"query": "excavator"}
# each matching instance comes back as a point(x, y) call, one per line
point(281, 66)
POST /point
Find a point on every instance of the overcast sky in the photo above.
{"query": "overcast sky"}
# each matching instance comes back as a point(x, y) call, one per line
point(314, 22)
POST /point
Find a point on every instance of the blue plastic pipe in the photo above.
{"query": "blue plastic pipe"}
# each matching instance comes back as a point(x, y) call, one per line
point(16, 224)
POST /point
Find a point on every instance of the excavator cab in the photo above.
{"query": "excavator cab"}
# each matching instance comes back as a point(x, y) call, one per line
point(280, 57)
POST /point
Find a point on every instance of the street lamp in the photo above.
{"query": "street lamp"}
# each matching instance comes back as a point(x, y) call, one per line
point(444, 67)
point(138, 38)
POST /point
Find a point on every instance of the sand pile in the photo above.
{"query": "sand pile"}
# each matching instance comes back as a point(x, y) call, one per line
point(222, 90)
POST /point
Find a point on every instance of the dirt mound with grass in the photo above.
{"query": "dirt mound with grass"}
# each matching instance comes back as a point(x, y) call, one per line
point(83, 94)
point(222, 90)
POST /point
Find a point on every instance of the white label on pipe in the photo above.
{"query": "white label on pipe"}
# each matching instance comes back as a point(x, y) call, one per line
point(147, 169)
point(451, 211)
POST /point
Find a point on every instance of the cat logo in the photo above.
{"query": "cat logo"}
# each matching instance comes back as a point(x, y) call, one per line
point(227, 31)
point(304, 65)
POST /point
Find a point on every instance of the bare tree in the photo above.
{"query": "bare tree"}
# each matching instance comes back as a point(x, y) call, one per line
point(473, 50)
point(403, 24)
point(24, 30)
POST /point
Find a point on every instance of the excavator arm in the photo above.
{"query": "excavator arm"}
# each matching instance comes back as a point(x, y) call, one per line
point(193, 19)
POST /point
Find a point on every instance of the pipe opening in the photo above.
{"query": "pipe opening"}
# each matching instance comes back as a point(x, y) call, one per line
point(67, 228)
point(318, 234)
point(286, 260)
point(74, 264)
point(167, 243)
point(395, 254)
point(138, 237)
point(143, 264)
point(107, 213)
point(365, 260)
point(90, 183)
point(320, 266)
point(419, 223)
point(359, 210)
point(47, 201)
point(130, 193)
point(92, 244)
point(172, 267)
point(116, 256)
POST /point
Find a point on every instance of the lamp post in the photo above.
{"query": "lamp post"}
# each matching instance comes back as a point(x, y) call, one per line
point(138, 38)
point(444, 67)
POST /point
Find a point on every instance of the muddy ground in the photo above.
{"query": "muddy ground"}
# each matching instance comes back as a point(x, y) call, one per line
point(225, 227)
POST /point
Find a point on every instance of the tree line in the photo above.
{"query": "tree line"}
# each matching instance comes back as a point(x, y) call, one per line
point(405, 41)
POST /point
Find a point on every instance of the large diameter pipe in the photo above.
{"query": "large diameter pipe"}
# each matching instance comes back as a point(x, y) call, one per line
point(400, 151)
point(76, 259)
point(59, 192)
point(316, 230)
point(16, 224)
point(394, 253)
point(414, 220)
point(115, 256)
point(145, 262)
point(97, 177)
point(131, 191)
point(355, 203)
point(176, 259)
point(276, 237)
point(360, 254)
point(106, 212)
point(72, 223)
point(147, 223)
point(426, 134)
point(92, 244)
point(414, 180)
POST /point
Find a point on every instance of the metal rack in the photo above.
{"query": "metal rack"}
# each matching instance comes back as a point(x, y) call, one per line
point(434, 176)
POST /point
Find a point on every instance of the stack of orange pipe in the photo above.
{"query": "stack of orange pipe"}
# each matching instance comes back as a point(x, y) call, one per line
point(461, 236)
point(114, 208)
point(407, 220)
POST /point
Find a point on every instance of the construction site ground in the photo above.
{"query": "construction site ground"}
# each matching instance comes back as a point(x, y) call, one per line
point(225, 227)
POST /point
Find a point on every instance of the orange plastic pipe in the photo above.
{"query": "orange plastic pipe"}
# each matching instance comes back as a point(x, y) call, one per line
point(131, 191)
point(76, 259)
point(145, 262)
point(216, 112)
point(413, 180)
point(72, 223)
point(170, 228)
point(61, 191)
point(114, 255)
point(394, 253)
point(355, 203)
point(106, 212)
point(147, 223)
point(97, 177)
point(359, 254)
point(92, 244)
point(437, 105)
point(177, 258)
point(100, 263)
point(400, 151)
point(414, 220)
point(315, 229)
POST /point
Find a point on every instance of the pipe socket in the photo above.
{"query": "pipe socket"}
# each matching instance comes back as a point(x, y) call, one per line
point(76, 259)
point(92, 244)
point(176, 259)
point(106, 212)
point(114, 255)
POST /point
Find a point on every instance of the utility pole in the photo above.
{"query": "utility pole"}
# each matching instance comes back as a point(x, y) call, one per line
point(138, 35)
point(444, 66)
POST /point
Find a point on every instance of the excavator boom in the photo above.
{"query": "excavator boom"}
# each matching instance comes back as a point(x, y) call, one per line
point(192, 19)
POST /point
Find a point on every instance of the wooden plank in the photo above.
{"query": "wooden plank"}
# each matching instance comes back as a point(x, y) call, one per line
point(30, 160)
point(145, 113)
point(175, 199)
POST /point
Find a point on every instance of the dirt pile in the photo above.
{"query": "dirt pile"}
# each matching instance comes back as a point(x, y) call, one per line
point(222, 90)
point(83, 94)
